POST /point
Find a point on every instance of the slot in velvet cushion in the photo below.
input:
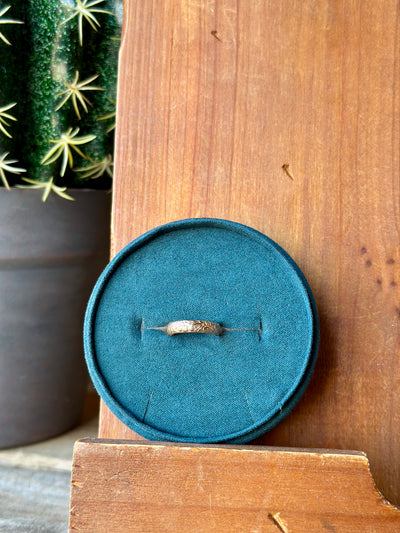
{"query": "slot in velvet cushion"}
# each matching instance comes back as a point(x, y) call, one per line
point(200, 387)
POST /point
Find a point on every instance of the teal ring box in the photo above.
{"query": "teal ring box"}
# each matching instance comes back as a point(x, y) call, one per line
point(193, 387)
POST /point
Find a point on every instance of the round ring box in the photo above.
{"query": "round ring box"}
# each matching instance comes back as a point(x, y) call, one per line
point(193, 387)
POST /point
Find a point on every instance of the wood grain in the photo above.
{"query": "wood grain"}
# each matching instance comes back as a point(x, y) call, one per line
point(286, 119)
point(125, 486)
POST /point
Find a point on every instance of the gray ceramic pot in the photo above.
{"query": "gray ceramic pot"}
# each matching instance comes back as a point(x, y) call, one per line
point(50, 257)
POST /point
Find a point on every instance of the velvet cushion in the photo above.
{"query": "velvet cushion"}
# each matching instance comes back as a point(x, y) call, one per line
point(201, 387)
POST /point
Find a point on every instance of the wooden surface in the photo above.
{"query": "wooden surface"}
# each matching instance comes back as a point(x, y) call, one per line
point(122, 487)
point(285, 119)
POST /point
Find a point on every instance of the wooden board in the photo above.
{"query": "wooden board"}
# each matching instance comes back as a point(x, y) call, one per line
point(283, 116)
point(123, 487)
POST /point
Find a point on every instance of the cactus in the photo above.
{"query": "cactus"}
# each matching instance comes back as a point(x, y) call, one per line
point(58, 75)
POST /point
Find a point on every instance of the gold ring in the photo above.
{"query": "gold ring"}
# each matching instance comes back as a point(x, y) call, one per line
point(192, 326)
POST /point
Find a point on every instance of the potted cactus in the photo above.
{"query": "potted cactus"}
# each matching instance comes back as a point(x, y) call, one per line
point(58, 72)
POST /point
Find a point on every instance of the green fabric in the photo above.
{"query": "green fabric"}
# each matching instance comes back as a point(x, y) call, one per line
point(198, 387)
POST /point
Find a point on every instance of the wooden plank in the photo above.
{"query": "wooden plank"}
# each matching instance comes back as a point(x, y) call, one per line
point(206, 123)
point(126, 486)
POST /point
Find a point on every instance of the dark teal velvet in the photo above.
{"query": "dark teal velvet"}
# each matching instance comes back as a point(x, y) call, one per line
point(197, 387)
